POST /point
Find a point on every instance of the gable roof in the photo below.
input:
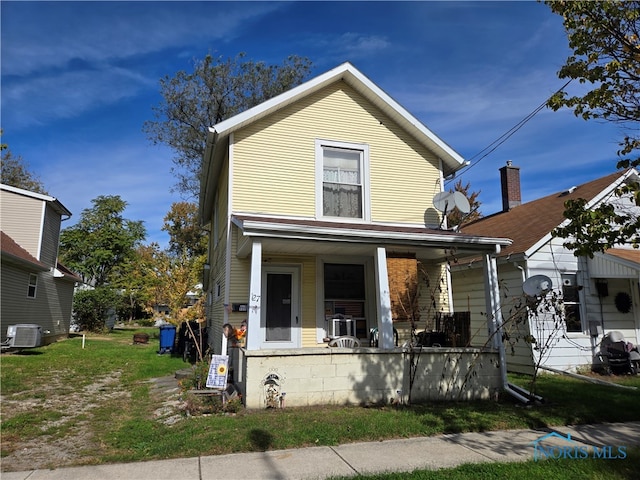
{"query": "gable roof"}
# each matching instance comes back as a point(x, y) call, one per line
point(530, 224)
point(451, 160)
point(12, 251)
point(53, 201)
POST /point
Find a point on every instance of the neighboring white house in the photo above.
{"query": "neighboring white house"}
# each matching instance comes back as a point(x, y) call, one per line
point(35, 287)
point(599, 294)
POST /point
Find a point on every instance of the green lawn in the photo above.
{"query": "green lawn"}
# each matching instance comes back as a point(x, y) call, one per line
point(108, 380)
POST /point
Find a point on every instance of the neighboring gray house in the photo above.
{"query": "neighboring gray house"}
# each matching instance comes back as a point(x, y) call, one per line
point(35, 287)
point(591, 289)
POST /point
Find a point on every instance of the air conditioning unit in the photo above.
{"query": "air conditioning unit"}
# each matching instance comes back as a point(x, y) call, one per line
point(343, 326)
point(24, 335)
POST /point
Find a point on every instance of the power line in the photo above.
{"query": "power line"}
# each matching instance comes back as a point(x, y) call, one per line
point(505, 136)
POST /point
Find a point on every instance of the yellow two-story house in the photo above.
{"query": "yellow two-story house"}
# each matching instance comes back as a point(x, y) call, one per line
point(311, 198)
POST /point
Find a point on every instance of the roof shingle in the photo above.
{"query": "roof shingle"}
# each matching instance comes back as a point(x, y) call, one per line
point(528, 223)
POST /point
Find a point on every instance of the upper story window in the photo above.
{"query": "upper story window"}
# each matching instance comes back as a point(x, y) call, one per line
point(33, 284)
point(342, 170)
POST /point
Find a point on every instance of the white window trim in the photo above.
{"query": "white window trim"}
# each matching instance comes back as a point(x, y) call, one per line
point(366, 199)
point(295, 270)
point(217, 293)
point(369, 289)
point(574, 276)
point(34, 284)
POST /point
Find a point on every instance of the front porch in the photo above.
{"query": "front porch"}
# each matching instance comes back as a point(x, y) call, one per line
point(299, 277)
point(363, 375)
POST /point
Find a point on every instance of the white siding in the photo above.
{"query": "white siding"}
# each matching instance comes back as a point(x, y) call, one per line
point(469, 295)
point(569, 349)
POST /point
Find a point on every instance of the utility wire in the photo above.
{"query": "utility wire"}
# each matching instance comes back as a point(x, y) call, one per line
point(504, 137)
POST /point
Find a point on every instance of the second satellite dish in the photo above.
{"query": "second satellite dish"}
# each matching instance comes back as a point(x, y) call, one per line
point(537, 285)
point(461, 202)
point(447, 201)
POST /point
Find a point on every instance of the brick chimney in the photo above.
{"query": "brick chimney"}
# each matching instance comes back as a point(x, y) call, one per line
point(510, 183)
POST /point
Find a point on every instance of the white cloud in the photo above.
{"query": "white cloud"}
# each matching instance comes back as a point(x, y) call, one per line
point(49, 35)
point(38, 100)
point(346, 46)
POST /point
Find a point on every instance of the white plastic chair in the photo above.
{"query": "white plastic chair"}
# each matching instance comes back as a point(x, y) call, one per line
point(346, 341)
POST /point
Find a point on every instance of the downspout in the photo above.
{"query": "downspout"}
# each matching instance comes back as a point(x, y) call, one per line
point(518, 392)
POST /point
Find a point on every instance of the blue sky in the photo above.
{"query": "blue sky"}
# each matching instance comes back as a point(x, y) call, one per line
point(80, 78)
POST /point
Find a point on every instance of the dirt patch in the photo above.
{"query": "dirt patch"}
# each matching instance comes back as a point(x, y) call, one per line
point(73, 410)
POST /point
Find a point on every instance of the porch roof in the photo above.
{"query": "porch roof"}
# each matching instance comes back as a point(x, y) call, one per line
point(298, 235)
point(615, 263)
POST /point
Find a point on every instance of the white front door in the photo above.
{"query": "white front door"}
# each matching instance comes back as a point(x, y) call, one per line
point(280, 318)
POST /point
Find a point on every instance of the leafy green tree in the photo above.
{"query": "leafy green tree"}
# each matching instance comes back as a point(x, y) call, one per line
point(15, 172)
point(147, 271)
point(605, 39)
point(185, 232)
point(179, 276)
point(135, 283)
point(101, 241)
point(216, 90)
point(169, 278)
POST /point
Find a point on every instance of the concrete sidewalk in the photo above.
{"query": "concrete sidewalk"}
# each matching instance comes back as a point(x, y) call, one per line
point(358, 458)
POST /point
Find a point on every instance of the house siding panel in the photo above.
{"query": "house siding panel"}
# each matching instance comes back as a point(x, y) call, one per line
point(570, 349)
point(22, 220)
point(239, 290)
point(16, 307)
point(50, 237)
point(271, 152)
point(469, 295)
point(51, 308)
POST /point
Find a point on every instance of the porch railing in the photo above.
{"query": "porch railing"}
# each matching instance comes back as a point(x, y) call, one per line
point(447, 329)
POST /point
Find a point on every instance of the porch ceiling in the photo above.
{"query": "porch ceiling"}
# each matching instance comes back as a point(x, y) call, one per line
point(304, 237)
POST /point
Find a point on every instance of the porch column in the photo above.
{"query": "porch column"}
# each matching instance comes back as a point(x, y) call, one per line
point(492, 298)
point(255, 302)
point(385, 321)
point(494, 313)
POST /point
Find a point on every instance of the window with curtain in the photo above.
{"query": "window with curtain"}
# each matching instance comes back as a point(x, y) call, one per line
point(342, 189)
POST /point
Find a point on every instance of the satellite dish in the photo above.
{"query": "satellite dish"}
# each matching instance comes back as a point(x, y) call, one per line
point(461, 202)
point(537, 285)
point(444, 201)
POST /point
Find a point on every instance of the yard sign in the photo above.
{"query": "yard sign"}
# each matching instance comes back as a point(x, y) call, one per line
point(218, 370)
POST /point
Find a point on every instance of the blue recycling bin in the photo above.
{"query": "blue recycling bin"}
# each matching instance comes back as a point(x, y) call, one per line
point(167, 338)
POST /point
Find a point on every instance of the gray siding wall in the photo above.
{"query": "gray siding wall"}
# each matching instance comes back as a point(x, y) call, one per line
point(50, 237)
point(51, 309)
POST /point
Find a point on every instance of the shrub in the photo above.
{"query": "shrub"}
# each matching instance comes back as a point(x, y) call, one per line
point(91, 308)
